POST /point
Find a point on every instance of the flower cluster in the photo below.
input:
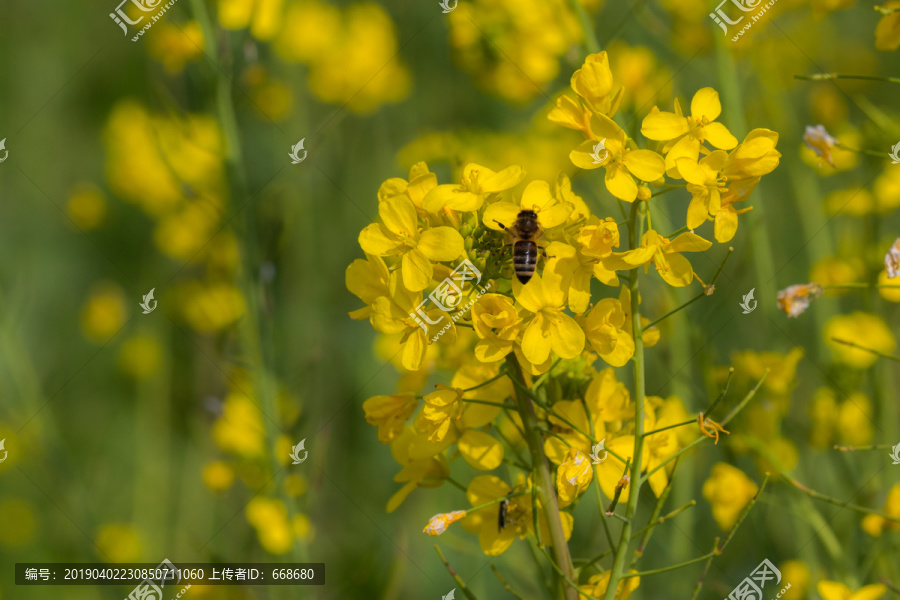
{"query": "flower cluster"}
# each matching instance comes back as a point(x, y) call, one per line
point(555, 324)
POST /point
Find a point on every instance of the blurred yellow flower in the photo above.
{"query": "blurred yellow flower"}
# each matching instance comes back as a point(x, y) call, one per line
point(86, 206)
point(310, 29)
point(834, 590)
point(218, 476)
point(209, 307)
point(175, 45)
point(891, 294)
point(875, 525)
point(887, 32)
point(855, 420)
point(240, 429)
point(303, 527)
point(390, 413)
point(864, 329)
point(140, 356)
point(103, 313)
point(824, 415)
point(599, 583)
point(270, 519)
point(19, 522)
point(120, 542)
point(262, 16)
point(728, 490)
point(797, 573)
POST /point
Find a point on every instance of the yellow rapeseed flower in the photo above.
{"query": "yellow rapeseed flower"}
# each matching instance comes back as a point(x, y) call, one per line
point(875, 525)
point(547, 328)
point(728, 490)
point(120, 542)
point(104, 312)
point(622, 164)
point(664, 254)
point(269, 517)
point(864, 329)
point(477, 184)
point(390, 413)
point(399, 234)
point(604, 326)
point(887, 32)
point(834, 590)
point(573, 476)
point(497, 325)
point(218, 476)
point(86, 206)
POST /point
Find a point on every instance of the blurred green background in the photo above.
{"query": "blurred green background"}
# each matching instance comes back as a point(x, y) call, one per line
point(153, 164)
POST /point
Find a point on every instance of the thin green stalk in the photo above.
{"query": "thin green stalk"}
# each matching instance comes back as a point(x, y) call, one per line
point(854, 507)
point(855, 448)
point(829, 76)
point(737, 409)
point(505, 583)
point(459, 581)
point(572, 586)
point(590, 38)
point(875, 352)
point(486, 382)
point(863, 151)
point(543, 479)
point(702, 579)
point(705, 292)
point(620, 560)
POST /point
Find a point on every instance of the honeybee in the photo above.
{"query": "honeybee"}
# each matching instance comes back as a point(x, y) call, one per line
point(525, 231)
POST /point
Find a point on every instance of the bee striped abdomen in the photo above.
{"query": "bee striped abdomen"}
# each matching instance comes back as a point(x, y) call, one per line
point(525, 255)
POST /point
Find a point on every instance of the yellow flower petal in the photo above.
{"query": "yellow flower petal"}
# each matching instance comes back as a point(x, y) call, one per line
point(536, 340)
point(451, 196)
point(620, 184)
point(664, 126)
point(505, 179)
point(376, 239)
point(719, 136)
point(567, 338)
point(706, 104)
point(441, 244)
point(416, 269)
point(480, 449)
point(399, 215)
point(646, 165)
point(503, 212)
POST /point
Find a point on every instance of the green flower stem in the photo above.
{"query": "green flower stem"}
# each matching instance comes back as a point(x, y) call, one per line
point(457, 484)
point(711, 285)
point(854, 507)
point(855, 448)
point(721, 396)
point(488, 402)
point(717, 550)
point(505, 583)
point(875, 352)
point(677, 231)
point(737, 409)
point(702, 579)
point(459, 581)
point(866, 152)
point(650, 527)
point(667, 189)
point(486, 382)
point(543, 479)
point(620, 560)
point(596, 478)
point(884, 580)
point(590, 38)
point(521, 387)
point(852, 286)
point(829, 76)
